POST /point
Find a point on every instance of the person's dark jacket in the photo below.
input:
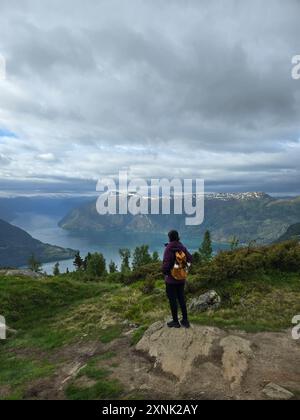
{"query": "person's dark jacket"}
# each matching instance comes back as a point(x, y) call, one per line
point(169, 260)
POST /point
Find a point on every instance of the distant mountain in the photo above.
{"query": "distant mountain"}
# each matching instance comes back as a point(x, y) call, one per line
point(16, 246)
point(293, 232)
point(249, 216)
point(52, 205)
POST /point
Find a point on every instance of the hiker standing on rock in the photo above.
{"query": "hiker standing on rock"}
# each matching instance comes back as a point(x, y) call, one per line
point(175, 267)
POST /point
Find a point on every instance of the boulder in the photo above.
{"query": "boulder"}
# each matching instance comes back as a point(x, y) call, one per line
point(176, 350)
point(208, 352)
point(276, 392)
point(209, 300)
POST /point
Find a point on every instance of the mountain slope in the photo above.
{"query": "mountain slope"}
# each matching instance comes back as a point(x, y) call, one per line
point(293, 232)
point(16, 246)
point(249, 216)
point(53, 205)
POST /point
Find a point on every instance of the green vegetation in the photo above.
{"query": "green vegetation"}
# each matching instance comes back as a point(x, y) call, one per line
point(16, 371)
point(259, 286)
point(263, 302)
point(39, 311)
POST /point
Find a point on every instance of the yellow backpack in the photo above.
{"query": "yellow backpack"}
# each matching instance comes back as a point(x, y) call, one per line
point(180, 269)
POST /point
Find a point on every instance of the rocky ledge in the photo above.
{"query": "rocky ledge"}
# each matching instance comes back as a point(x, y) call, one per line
point(232, 364)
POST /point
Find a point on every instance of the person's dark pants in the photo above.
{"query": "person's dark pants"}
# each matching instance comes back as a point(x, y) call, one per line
point(175, 293)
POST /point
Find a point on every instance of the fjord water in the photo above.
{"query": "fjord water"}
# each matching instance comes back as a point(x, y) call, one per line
point(46, 229)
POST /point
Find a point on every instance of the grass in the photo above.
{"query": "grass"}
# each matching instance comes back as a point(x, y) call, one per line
point(110, 334)
point(266, 302)
point(37, 309)
point(101, 388)
point(17, 371)
point(26, 301)
point(138, 334)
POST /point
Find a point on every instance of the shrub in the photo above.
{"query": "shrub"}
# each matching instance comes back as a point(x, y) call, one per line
point(243, 262)
point(141, 273)
point(115, 277)
point(149, 285)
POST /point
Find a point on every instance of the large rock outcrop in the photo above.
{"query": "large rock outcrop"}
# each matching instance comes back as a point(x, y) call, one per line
point(178, 351)
point(207, 361)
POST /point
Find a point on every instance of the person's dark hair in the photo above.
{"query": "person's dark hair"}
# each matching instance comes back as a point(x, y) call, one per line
point(173, 236)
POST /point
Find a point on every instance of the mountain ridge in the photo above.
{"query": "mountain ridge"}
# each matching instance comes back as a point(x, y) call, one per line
point(292, 233)
point(248, 216)
point(16, 246)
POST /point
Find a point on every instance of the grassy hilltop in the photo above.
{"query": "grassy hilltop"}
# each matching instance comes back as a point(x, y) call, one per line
point(59, 319)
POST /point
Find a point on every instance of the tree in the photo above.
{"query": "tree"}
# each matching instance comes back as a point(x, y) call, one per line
point(141, 256)
point(85, 261)
point(34, 264)
point(234, 243)
point(196, 258)
point(56, 271)
point(155, 257)
point(96, 265)
point(78, 262)
point(206, 251)
point(125, 255)
point(113, 268)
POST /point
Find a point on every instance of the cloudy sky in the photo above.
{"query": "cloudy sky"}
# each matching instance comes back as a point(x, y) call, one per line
point(183, 88)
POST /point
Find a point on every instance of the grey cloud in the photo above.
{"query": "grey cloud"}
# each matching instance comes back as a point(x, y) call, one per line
point(138, 85)
point(4, 160)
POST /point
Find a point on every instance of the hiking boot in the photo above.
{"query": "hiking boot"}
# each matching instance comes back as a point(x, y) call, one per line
point(173, 324)
point(185, 323)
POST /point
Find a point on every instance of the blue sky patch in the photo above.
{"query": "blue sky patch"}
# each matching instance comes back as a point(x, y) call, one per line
point(7, 133)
